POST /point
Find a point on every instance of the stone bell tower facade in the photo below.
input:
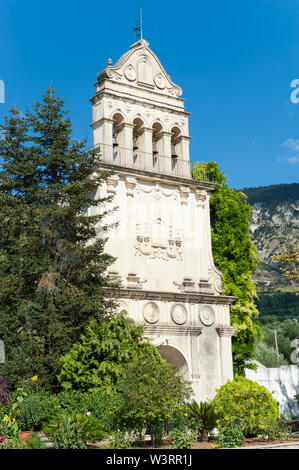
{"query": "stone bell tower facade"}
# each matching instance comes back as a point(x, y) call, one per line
point(162, 240)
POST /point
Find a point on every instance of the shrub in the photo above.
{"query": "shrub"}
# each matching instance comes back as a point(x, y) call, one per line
point(276, 429)
point(230, 434)
point(102, 405)
point(35, 442)
point(205, 415)
point(73, 432)
point(13, 443)
point(247, 401)
point(4, 392)
point(35, 410)
point(182, 439)
point(150, 388)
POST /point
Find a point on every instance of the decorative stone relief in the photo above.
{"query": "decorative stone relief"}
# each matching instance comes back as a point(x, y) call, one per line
point(179, 314)
point(201, 197)
point(157, 241)
point(184, 192)
point(112, 182)
point(207, 315)
point(214, 277)
point(134, 281)
point(151, 312)
point(160, 81)
point(130, 73)
point(130, 185)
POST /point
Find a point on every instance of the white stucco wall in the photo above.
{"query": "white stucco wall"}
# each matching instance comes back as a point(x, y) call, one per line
point(282, 381)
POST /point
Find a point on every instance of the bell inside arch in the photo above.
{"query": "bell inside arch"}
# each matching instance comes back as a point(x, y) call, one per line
point(155, 151)
point(173, 153)
point(135, 146)
point(114, 141)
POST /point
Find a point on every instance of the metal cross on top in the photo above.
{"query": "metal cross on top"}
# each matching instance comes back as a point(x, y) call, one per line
point(138, 29)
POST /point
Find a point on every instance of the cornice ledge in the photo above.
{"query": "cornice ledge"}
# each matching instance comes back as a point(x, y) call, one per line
point(191, 297)
point(173, 330)
point(225, 331)
point(206, 185)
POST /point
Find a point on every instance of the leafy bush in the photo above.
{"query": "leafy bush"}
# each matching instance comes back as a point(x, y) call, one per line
point(13, 443)
point(120, 440)
point(4, 392)
point(96, 361)
point(247, 401)
point(8, 426)
point(36, 410)
point(276, 429)
point(73, 432)
point(205, 415)
point(180, 439)
point(150, 388)
point(102, 405)
point(230, 434)
point(35, 442)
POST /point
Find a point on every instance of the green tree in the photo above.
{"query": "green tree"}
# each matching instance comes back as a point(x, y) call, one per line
point(235, 255)
point(150, 389)
point(52, 265)
point(96, 361)
point(246, 401)
point(289, 259)
point(268, 356)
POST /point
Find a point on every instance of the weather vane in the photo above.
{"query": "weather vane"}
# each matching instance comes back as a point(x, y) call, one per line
point(138, 29)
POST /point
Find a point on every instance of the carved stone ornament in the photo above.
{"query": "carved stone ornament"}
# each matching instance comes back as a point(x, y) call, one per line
point(112, 182)
point(214, 276)
point(207, 315)
point(160, 81)
point(157, 241)
point(179, 314)
point(130, 73)
point(151, 312)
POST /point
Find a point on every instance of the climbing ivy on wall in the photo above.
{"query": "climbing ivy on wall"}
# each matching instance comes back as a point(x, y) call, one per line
point(236, 256)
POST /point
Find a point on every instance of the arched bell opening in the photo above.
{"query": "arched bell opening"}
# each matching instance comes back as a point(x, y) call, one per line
point(138, 141)
point(173, 356)
point(176, 138)
point(117, 135)
point(157, 143)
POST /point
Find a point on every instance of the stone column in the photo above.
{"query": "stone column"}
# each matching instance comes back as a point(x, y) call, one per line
point(102, 137)
point(184, 164)
point(165, 165)
point(147, 154)
point(226, 359)
point(126, 144)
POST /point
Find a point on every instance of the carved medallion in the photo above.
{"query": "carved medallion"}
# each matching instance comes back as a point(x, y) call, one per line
point(160, 81)
point(151, 312)
point(130, 73)
point(207, 315)
point(179, 314)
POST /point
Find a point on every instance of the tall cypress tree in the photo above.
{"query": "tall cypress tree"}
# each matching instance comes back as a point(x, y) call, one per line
point(52, 269)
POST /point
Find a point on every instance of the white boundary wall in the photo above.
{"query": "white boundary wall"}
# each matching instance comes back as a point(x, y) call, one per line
point(282, 381)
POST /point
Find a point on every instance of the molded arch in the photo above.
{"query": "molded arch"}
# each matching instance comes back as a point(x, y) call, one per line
point(174, 355)
point(119, 116)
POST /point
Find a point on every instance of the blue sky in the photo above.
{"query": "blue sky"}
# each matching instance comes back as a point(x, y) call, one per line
point(234, 59)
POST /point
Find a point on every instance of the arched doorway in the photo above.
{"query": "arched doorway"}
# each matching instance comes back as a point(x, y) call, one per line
point(175, 357)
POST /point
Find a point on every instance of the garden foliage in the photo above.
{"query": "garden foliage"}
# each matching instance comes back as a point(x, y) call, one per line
point(246, 401)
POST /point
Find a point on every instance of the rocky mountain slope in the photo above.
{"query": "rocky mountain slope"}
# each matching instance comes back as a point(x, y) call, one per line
point(275, 224)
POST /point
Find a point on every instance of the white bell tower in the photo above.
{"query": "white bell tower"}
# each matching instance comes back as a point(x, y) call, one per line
point(162, 239)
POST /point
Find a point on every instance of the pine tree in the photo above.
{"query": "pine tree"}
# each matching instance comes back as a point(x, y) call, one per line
point(52, 269)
